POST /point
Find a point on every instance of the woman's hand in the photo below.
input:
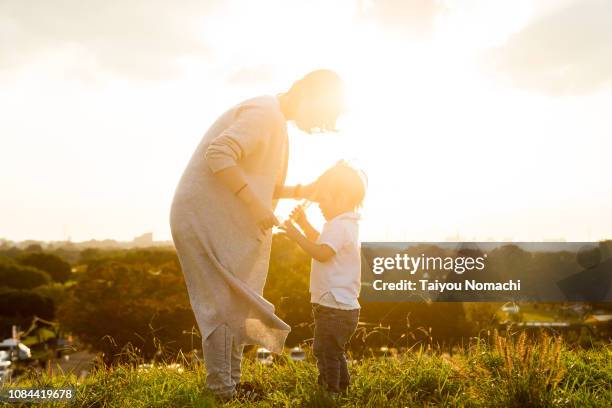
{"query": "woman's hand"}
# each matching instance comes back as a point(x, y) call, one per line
point(262, 215)
point(309, 191)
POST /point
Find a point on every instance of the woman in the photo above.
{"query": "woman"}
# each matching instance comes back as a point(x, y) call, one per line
point(222, 215)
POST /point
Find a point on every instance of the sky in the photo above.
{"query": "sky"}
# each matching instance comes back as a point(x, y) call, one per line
point(476, 119)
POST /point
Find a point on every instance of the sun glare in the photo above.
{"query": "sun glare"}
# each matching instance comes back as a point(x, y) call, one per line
point(434, 133)
point(427, 122)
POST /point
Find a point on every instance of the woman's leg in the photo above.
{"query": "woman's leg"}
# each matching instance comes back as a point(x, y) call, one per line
point(217, 350)
point(236, 363)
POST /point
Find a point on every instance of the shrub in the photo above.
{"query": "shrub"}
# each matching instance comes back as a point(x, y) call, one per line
point(531, 370)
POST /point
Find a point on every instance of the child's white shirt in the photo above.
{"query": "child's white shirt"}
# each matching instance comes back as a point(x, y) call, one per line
point(336, 283)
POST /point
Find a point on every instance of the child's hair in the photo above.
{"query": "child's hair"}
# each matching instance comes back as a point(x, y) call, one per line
point(344, 179)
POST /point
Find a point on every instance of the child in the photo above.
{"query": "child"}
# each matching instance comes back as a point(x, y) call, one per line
point(335, 276)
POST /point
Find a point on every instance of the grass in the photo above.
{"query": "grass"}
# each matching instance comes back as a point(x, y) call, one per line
point(515, 372)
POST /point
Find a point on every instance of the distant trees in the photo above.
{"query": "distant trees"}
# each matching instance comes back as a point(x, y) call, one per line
point(137, 299)
point(32, 269)
point(56, 267)
point(18, 302)
point(18, 307)
point(25, 304)
point(16, 276)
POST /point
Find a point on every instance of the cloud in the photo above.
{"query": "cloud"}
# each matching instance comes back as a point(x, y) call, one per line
point(415, 17)
point(568, 51)
point(251, 75)
point(135, 38)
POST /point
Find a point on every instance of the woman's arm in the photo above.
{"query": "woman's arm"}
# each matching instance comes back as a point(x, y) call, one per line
point(232, 178)
point(241, 139)
point(286, 192)
point(296, 192)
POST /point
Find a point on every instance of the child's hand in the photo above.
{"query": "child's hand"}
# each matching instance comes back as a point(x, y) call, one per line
point(298, 215)
point(290, 230)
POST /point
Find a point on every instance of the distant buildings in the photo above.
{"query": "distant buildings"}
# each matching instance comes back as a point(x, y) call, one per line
point(144, 240)
point(141, 241)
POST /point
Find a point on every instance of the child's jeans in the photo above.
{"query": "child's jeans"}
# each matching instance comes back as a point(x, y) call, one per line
point(333, 330)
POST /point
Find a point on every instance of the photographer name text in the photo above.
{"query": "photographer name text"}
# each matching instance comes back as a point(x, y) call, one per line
point(438, 286)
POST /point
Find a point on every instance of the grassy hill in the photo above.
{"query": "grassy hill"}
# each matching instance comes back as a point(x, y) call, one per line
point(515, 372)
